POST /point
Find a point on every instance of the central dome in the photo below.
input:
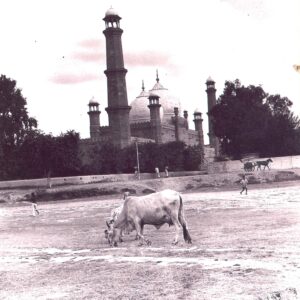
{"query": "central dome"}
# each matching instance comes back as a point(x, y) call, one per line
point(139, 106)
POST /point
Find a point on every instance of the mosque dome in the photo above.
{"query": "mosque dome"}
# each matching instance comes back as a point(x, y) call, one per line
point(111, 12)
point(139, 106)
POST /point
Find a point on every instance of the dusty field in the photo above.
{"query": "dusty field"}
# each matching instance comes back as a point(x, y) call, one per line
point(244, 247)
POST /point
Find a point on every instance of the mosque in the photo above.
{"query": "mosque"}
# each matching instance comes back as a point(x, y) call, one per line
point(153, 116)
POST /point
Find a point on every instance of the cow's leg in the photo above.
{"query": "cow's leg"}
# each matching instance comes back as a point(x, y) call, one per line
point(142, 232)
point(177, 225)
point(139, 232)
point(177, 230)
point(121, 236)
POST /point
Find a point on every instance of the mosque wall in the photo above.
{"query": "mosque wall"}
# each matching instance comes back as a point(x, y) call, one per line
point(141, 130)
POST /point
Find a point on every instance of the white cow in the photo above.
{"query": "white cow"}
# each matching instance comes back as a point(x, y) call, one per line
point(154, 209)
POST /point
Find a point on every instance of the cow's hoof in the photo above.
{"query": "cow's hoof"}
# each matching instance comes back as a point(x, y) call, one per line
point(148, 243)
point(175, 243)
point(115, 244)
point(121, 240)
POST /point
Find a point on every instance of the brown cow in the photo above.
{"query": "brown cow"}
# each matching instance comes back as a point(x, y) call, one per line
point(156, 209)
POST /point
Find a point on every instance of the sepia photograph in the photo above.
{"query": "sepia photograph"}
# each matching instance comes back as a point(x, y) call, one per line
point(150, 150)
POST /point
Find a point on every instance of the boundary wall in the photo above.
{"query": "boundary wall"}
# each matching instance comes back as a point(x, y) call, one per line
point(57, 181)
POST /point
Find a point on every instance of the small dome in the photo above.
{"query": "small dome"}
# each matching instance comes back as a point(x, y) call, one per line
point(209, 79)
point(93, 102)
point(111, 12)
point(153, 94)
point(197, 111)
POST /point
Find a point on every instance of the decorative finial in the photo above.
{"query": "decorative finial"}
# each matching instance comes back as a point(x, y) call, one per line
point(143, 87)
point(157, 79)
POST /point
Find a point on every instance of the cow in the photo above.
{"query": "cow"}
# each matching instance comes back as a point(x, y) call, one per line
point(157, 209)
point(110, 222)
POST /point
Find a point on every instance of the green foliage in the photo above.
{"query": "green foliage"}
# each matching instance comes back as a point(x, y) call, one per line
point(247, 119)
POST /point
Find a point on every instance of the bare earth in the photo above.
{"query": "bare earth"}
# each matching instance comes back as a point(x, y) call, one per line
point(244, 247)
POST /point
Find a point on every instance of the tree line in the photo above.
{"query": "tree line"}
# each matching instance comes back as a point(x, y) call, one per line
point(176, 155)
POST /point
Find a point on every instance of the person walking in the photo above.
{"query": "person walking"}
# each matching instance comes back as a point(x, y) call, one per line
point(157, 172)
point(35, 211)
point(167, 171)
point(244, 183)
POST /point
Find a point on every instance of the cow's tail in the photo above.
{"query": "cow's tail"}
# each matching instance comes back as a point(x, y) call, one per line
point(186, 234)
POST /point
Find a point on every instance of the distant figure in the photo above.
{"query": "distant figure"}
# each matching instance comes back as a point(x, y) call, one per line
point(157, 172)
point(126, 194)
point(167, 171)
point(136, 172)
point(49, 183)
point(244, 183)
point(34, 204)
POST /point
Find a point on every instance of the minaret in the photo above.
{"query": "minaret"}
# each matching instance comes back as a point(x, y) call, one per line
point(176, 113)
point(117, 109)
point(94, 114)
point(198, 126)
point(185, 115)
point(155, 120)
point(211, 102)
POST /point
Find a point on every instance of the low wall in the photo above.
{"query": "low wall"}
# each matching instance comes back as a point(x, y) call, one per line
point(279, 163)
point(56, 181)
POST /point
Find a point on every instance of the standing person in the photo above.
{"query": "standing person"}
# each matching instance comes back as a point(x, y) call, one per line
point(244, 183)
point(34, 204)
point(157, 172)
point(126, 194)
point(136, 172)
point(167, 171)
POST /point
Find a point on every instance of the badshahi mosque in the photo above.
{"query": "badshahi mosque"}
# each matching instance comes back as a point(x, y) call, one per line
point(153, 116)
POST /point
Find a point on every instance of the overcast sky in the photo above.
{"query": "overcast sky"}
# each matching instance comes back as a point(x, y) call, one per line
point(55, 50)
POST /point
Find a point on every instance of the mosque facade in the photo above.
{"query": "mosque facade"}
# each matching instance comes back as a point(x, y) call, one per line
point(153, 116)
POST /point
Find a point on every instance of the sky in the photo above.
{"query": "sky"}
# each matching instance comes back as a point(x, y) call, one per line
point(55, 50)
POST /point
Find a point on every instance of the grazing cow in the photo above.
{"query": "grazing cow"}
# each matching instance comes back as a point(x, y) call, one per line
point(109, 223)
point(264, 163)
point(156, 209)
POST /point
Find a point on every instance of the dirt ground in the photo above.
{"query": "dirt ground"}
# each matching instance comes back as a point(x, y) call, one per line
point(244, 247)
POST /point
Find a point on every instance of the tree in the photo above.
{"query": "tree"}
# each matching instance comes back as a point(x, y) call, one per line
point(43, 155)
point(247, 119)
point(14, 124)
